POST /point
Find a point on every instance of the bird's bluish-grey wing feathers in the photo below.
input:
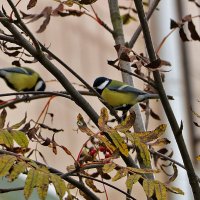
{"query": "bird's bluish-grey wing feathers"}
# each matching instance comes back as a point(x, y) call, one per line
point(126, 88)
point(16, 70)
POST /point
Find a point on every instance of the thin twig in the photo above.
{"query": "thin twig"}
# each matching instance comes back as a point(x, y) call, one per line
point(27, 31)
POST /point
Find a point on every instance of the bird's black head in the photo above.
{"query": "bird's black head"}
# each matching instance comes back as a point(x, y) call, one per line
point(40, 85)
point(100, 83)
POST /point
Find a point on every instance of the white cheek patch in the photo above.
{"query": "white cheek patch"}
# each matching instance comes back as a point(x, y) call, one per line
point(122, 87)
point(38, 85)
point(103, 85)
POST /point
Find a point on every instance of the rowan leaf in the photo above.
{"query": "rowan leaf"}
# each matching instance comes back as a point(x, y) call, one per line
point(174, 189)
point(43, 182)
point(16, 170)
point(90, 183)
point(20, 137)
point(103, 119)
point(142, 171)
point(126, 124)
point(132, 179)
point(149, 136)
point(83, 126)
point(160, 190)
point(31, 4)
point(6, 162)
point(198, 158)
point(6, 138)
point(118, 141)
point(144, 152)
point(175, 174)
point(108, 144)
point(120, 174)
point(160, 142)
point(59, 185)
point(30, 182)
point(3, 118)
point(148, 186)
point(109, 167)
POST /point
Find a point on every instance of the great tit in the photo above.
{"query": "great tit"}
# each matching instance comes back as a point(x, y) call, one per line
point(118, 94)
point(22, 79)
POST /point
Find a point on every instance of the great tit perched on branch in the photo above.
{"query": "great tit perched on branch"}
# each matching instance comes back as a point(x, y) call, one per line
point(22, 79)
point(120, 95)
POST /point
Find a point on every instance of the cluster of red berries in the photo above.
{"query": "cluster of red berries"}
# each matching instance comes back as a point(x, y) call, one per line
point(103, 149)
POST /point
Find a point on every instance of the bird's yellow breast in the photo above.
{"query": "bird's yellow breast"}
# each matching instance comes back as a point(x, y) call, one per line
point(116, 99)
point(22, 81)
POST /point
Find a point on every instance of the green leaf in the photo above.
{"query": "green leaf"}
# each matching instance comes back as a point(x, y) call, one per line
point(43, 182)
point(132, 179)
point(109, 167)
point(30, 182)
point(120, 174)
point(3, 118)
point(161, 191)
point(59, 185)
point(6, 162)
point(17, 125)
point(6, 138)
point(148, 186)
point(21, 138)
point(17, 169)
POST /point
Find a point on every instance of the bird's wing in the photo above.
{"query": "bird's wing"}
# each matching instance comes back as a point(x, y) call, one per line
point(126, 88)
point(19, 70)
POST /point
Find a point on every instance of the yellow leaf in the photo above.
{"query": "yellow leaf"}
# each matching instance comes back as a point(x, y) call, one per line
point(43, 182)
point(6, 138)
point(109, 167)
point(132, 179)
point(120, 174)
point(160, 142)
point(83, 126)
point(126, 124)
point(118, 141)
point(30, 183)
point(6, 162)
point(90, 183)
point(59, 185)
point(103, 119)
point(198, 158)
point(160, 190)
point(149, 136)
point(144, 152)
point(174, 189)
point(20, 137)
point(142, 171)
point(3, 118)
point(148, 186)
point(17, 169)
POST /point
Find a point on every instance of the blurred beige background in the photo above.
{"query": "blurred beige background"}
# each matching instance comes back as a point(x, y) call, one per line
point(85, 46)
